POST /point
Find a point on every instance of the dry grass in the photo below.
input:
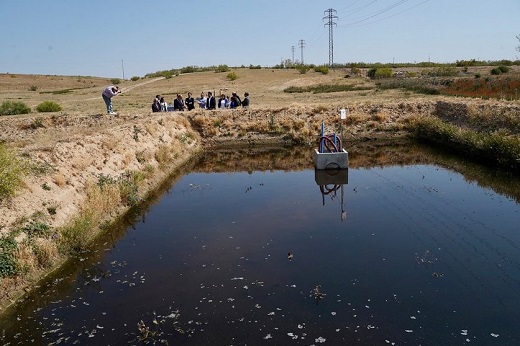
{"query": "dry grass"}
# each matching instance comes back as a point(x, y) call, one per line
point(59, 179)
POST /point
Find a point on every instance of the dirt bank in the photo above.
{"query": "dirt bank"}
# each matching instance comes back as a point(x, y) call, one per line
point(69, 155)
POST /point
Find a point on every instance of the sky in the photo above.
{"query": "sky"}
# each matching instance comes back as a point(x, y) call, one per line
point(131, 38)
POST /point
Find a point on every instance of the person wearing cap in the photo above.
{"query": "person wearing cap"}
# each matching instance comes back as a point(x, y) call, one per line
point(108, 93)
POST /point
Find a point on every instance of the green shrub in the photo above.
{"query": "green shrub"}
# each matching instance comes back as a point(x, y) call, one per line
point(222, 68)
point(12, 108)
point(129, 187)
point(232, 76)
point(444, 71)
point(76, 236)
point(48, 106)
point(503, 69)
point(496, 71)
point(188, 69)
point(115, 81)
point(303, 69)
point(33, 88)
point(322, 69)
point(12, 172)
point(379, 73)
point(36, 229)
point(257, 67)
point(135, 78)
point(8, 263)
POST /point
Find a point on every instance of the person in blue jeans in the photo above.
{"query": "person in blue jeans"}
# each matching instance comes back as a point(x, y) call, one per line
point(108, 93)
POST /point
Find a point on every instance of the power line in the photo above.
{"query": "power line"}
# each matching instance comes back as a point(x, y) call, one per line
point(301, 44)
point(365, 19)
point(331, 24)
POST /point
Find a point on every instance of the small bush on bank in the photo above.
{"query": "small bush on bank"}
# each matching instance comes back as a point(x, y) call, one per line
point(222, 68)
point(13, 108)
point(503, 69)
point(322, 69)
point(444, 71)
point(499, 69)
point(232, 76)
point(48, 106)
point(8, 263)
point(495, 71)
point(303, 69)
point(379, 73)
point(135, 78)
point(115, 81)
point(12, 172)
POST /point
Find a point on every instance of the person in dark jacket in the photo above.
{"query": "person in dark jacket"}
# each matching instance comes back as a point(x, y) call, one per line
point(245, 101)
point(178, 103)
point(156, 104)
point(210, 103)
point(235, 101)
point(189, 102)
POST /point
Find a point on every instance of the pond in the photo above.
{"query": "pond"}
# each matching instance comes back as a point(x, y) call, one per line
point(411, 246)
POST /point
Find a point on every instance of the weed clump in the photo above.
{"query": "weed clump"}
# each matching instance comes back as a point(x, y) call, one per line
point(12, 172)
point(48, 106)
point(13, 108)
point(8, 263)
point(231, 76)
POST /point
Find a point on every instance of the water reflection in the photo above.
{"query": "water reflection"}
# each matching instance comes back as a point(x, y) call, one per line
point(242, 248)
point(331, 183)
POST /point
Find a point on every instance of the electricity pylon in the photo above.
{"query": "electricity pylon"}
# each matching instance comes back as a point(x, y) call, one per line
point(330, 17)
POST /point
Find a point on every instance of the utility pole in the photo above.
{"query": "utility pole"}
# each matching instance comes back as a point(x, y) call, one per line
point(330, 17)
point(301, 44)
point(292, 49)
point(123, 67)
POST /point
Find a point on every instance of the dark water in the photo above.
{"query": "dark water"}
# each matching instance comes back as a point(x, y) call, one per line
point(422, 252)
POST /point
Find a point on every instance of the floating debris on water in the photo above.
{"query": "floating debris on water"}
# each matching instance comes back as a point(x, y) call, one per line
point(317, 294)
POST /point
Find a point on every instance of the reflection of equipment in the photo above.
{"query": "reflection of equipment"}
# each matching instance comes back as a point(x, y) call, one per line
point(331, 164)
point(330, 181)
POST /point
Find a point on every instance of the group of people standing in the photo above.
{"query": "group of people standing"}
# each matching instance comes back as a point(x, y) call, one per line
point(179, 104)
point(205, 101)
